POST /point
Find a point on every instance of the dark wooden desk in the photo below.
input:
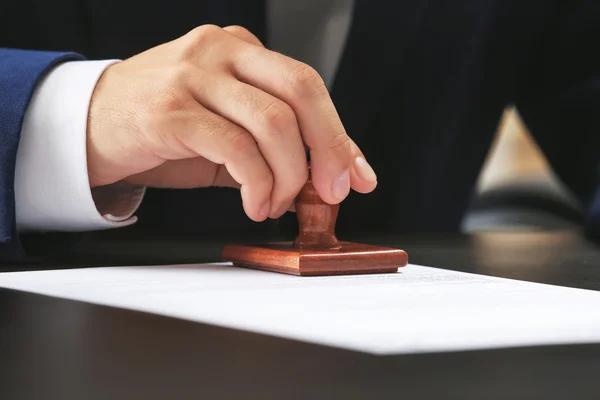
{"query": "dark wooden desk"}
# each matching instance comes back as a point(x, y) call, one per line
point(59, 349)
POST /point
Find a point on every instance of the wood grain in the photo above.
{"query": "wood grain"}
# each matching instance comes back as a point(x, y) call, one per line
point(349, 258)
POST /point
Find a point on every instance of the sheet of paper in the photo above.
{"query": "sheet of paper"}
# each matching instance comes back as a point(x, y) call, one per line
point(418, 309)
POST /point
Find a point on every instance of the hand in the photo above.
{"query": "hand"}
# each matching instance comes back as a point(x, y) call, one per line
point(215, 108)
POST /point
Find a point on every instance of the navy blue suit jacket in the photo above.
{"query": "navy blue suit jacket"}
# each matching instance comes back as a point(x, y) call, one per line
point(20, 71)
point(421, 87)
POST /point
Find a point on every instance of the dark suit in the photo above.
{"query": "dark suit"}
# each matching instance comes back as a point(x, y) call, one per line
point(421, 88)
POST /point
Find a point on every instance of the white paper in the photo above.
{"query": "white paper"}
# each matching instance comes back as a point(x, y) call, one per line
point(418, 309)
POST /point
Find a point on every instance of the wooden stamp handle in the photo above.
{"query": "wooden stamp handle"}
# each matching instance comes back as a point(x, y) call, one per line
point(316, 220)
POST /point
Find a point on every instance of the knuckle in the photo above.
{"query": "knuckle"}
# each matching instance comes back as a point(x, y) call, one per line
point(244, 34)
point(171, 100)
point(339, 141)
point(239, 29)
point(243, 145)
point(203, 32)
point(199, 38)
point(173, 96)
point(277, 117)
point(241, 142)
point(178, 74)
point(266, 177)
point(306, 81)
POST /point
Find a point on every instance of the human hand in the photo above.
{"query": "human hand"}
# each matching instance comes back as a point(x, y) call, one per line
point(215, 108)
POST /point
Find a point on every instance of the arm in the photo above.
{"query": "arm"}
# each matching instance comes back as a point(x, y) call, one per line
point(51, 188)
point(211, 108)
point(559, 100)
point(20, 71)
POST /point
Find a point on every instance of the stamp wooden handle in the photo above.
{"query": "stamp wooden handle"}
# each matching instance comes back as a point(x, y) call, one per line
point(316, 220)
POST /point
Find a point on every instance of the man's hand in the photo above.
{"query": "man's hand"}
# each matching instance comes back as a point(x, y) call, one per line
point(215, 108)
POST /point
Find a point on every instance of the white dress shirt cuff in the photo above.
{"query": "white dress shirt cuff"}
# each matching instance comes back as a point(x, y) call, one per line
point(52, 191)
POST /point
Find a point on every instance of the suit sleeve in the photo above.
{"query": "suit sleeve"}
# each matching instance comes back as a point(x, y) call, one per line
point(558, 98)
point(20, 71)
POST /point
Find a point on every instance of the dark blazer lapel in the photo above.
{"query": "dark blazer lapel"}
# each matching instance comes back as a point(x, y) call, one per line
point(380, 34)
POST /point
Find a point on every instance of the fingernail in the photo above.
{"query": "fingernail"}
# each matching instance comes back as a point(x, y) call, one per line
point(364, 170)
point(264, 211)
point(341, 186)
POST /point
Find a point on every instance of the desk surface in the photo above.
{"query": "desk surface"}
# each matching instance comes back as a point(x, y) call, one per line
point(54, 348)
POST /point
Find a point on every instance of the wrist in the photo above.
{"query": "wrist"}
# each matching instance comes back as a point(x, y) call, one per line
point(100, 171)
point(113, 133)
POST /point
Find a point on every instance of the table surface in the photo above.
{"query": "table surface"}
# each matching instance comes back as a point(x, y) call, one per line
point(56, 348)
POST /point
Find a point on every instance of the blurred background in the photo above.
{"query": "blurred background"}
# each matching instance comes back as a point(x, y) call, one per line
point(517, 190)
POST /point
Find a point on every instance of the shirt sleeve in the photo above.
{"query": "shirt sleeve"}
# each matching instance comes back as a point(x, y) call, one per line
point(52, 191)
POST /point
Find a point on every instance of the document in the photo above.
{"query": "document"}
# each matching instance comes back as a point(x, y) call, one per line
point(416, 310)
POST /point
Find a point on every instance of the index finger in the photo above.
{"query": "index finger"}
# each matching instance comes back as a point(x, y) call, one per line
point(333, 154)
